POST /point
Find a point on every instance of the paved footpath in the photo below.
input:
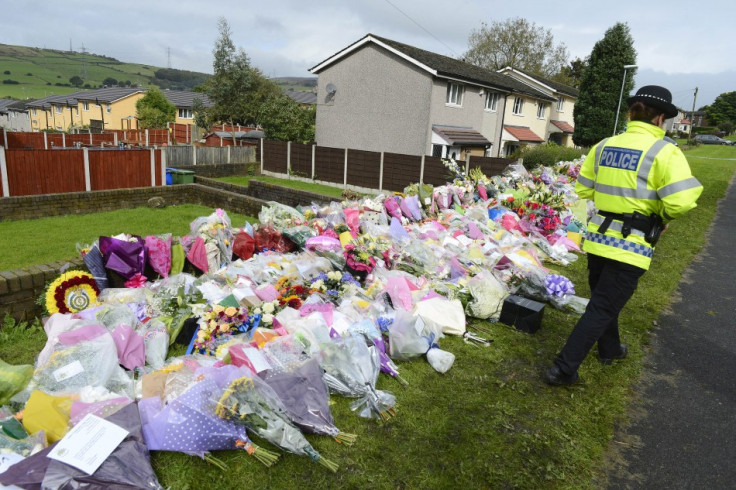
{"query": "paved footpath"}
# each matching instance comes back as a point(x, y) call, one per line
point(684, 436)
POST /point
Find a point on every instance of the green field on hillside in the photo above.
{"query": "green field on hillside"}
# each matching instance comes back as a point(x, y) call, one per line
point(33, 73)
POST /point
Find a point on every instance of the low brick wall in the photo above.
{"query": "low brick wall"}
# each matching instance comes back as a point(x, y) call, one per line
point(285, 195)
point(219, 170)
point(20, 288)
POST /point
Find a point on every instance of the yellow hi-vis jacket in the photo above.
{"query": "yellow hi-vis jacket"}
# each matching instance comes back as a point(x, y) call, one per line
point(634, 171)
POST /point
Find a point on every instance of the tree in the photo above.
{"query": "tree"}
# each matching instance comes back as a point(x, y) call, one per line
point(722, 109)
point(283, 119)
point(154, 110)
point(110, 82)
point(600, 86)
point(518, 43)
point(76, 81)
point(572, 73)
point(236, 89)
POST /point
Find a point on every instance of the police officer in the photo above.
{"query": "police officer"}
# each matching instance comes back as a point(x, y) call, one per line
point(638, 182)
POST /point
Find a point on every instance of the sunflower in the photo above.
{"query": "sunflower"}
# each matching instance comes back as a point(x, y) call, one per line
point(71, 292)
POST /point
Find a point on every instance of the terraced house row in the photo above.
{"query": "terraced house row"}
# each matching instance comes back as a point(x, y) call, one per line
point(102, 109)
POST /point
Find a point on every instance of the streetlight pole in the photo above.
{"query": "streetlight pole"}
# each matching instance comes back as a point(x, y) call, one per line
point(621, 95)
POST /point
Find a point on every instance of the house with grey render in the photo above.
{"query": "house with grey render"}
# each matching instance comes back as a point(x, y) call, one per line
point(13, 115)
point(381, 95)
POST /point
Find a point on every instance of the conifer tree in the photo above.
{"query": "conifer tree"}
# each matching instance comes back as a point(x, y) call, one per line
point(600, 87)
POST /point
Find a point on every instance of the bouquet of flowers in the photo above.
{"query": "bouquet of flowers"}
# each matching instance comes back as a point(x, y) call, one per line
point(216, 321)
point(351, 370)
point(334, 284)
point(249, 401)
point(361, 254)
point(306, 399)
point(291, 293)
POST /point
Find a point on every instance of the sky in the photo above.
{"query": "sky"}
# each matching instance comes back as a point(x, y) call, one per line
point(680, 44)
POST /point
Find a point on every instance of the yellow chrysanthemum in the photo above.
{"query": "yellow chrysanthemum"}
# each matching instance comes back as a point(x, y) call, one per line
point(71, 292)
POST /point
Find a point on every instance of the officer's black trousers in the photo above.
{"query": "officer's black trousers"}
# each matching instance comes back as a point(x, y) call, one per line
point(612, 283)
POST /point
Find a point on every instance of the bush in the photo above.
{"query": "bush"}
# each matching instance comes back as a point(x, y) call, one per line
point(6, 72)
point(10, 82)
point(548, 154)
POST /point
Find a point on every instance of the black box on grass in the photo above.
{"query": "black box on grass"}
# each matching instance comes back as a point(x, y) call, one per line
point(522, 313)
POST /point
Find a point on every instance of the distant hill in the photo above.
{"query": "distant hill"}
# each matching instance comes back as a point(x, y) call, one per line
point(32, 73)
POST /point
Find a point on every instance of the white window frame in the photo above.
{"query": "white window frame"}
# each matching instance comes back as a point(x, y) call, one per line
point(541, 110)
point(33, 111)
point(518, 106)
point(492, 101)
point(59, 109)
point(108, 108)
point(185, 113)
point(560, 103)
point(85, 106)
point(455, 92)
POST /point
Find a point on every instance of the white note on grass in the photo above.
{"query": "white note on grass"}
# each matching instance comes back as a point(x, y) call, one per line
point(88, 444)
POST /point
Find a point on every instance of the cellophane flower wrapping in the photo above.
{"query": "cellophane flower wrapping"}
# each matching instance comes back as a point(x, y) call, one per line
point(70, 368)
point(351, 370)
point(159, 253)
point(488, 295)
point(123, 254)
point(95, 263)
point(13, 379)
point(250, 402)
point(305, 397)
point(128, 466)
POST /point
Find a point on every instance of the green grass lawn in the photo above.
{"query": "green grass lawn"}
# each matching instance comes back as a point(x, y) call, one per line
point(489, 422)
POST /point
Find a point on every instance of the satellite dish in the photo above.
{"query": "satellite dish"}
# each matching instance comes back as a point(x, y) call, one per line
point(331, 89)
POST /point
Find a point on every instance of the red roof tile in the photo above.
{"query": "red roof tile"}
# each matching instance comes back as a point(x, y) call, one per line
point(523, 133)
point(563, 126)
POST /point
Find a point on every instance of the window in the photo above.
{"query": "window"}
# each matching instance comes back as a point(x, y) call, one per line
point(560, 103)
point(108, 108)
point(185, 114)
point(455, 94)
point(541, 109)
point(34, 112)
point(58, 109)
point(491, 101)
point(85, 106)
point(437, 151)
point(518, 105)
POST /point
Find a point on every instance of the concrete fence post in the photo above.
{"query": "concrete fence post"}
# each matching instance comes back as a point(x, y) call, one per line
point(421, 171)
point(288, 158)
point(163, 167)
point(314, 148)
point(467, 163)
point(4, 172)
point(228, 155)
point(153, 167)
point(5, 137)
point(87, 178)
point(194, 155)
point(380, 175)
point(115, 138)
point(345, 170)
point(45, 140)
point(63, 140)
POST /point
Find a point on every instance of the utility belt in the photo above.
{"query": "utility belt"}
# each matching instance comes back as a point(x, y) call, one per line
point(650, 227)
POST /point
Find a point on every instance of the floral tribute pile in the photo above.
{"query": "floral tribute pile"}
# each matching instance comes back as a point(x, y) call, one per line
point(311, 301)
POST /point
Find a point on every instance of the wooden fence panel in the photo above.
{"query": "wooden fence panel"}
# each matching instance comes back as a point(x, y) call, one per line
point(25, 140)
point(274, 156)
point(400, 170)
point(242, 154)
point(329, 164)
point(435, 173)
point(120, 169)
point(490, 165)
point(32, 172)
point(179, 155)
point(301, 160)
point(364, 168)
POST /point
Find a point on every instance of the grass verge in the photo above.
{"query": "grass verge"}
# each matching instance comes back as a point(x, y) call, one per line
point(325, 190)
point(489, 422)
